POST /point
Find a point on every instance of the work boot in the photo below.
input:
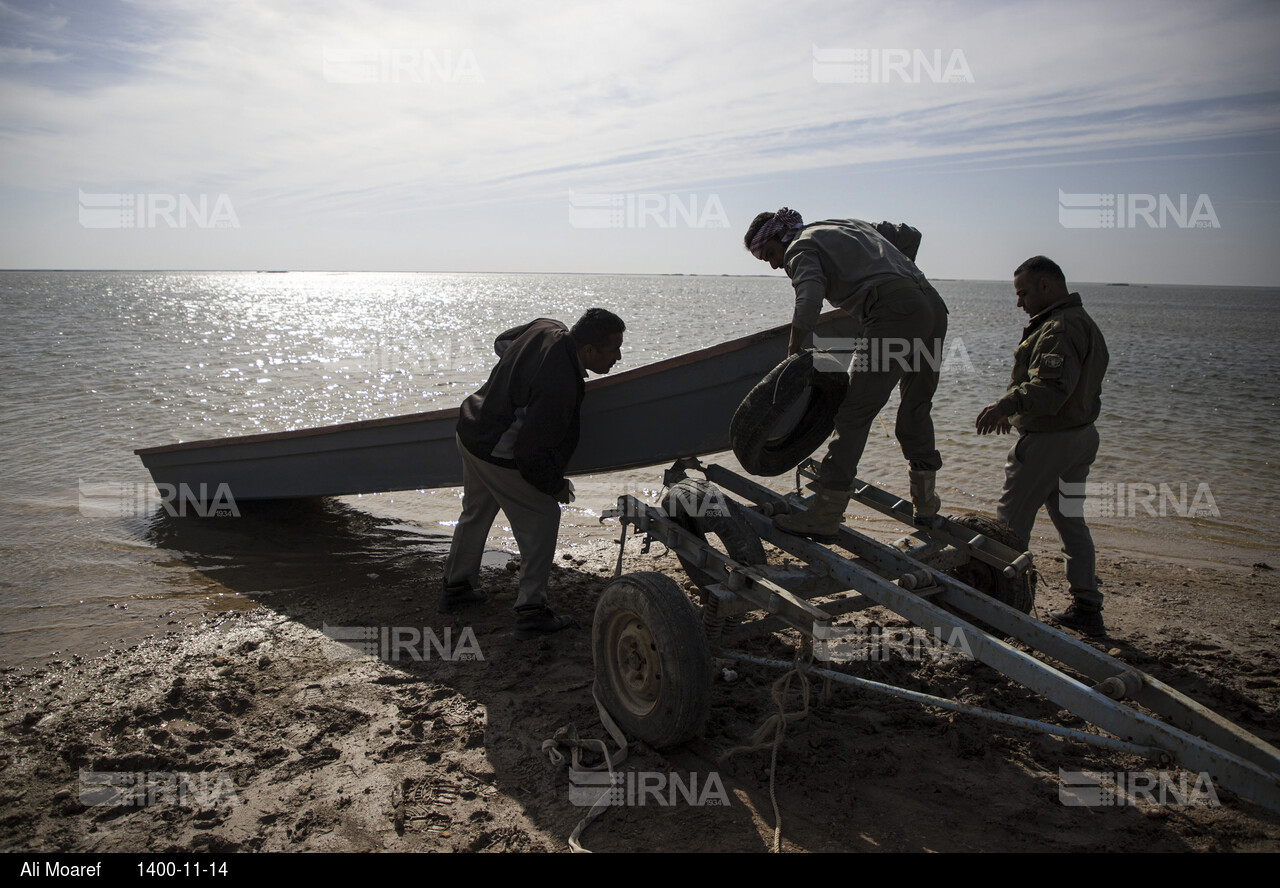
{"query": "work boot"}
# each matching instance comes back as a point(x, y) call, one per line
point(532, 622)
point(821, 521)
point(1081, 617)
point(924, 499)
point(459, 596)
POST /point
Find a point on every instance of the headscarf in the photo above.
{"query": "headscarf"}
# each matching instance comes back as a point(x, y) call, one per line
point(783, 225)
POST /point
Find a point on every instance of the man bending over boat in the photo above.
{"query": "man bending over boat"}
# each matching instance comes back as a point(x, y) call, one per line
point(516, 436)
point(848, 263)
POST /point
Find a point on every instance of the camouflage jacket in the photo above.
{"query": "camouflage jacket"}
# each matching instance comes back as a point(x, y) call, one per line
point(1057, 371)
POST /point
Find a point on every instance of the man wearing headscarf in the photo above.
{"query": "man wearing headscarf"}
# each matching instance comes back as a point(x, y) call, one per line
point(850, 264)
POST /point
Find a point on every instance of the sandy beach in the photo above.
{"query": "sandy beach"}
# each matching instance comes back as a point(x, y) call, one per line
point(274, 736)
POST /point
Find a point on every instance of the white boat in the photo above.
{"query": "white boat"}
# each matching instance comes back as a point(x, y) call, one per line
point(651, 415)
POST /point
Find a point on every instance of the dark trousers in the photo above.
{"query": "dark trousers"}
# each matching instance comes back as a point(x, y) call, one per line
point(905, 330)
point(1049, 469)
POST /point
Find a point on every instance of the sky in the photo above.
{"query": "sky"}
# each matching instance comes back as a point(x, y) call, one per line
point(1131, 141)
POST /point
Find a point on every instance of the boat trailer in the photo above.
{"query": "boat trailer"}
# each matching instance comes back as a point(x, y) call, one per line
point(956, 580)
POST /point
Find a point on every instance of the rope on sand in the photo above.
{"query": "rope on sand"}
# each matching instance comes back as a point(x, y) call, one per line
point(568, 736)
point(776, 724)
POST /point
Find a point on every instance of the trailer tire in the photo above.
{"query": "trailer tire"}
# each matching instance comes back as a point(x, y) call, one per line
point(652, 663)
point(701, 508)
point(764, 448)
point(1019, 593)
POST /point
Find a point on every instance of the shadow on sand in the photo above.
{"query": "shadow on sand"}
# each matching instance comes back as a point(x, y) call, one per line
point(861, 773)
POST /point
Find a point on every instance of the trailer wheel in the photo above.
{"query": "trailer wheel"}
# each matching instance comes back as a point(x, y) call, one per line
point(653, 666)
point(1019, 593)
point(701, 508)
point(786, 416)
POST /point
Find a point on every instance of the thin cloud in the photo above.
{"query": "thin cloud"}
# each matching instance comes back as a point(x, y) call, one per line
point(246, 99)
point(26, 55)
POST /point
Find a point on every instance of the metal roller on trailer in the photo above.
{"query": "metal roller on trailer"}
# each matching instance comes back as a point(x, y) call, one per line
point(958, 579)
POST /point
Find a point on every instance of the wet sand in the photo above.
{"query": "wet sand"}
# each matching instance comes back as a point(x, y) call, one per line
point(290, 740)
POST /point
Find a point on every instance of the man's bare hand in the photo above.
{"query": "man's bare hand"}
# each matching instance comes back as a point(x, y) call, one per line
point(566, 493)
point(992, 419)
point(796, 344)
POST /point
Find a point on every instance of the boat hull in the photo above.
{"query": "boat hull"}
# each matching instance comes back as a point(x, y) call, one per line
point(647, 416)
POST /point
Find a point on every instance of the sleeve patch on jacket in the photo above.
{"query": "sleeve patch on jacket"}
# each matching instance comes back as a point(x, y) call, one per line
point(1050, 366)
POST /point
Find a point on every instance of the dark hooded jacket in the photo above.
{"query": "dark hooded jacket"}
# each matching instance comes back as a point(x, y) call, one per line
point(526, 416)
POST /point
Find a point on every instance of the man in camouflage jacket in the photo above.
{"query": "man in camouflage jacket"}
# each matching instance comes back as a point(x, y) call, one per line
point(1053, 398)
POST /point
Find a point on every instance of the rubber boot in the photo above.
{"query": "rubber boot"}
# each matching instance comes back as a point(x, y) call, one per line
point(821, 521)
point(924, 499)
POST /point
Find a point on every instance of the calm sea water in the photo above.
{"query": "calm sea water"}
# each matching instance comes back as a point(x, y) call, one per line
point(96, 364)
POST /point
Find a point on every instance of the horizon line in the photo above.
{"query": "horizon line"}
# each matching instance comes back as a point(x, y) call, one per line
point(602, 273)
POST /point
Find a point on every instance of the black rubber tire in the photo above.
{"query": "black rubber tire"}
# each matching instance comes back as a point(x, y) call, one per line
point(701, 508)
point(1019, 593)
point(652, 663)
point(759, 448)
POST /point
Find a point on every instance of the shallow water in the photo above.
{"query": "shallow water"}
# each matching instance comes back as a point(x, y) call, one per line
point(96, 364)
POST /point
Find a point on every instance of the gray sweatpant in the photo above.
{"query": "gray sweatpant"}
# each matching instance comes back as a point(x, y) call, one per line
point(534, 517)
point(1049, 469)
point(904, 336)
